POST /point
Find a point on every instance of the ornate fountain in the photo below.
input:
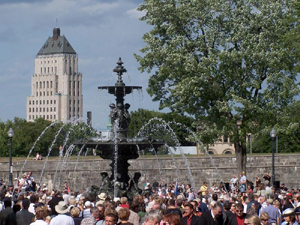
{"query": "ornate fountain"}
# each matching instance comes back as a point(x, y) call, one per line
point(118, 147)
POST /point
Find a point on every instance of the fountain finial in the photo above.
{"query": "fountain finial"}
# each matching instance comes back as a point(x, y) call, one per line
point(120, 70)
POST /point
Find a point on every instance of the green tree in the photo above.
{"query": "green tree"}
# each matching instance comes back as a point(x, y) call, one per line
point(220, 61)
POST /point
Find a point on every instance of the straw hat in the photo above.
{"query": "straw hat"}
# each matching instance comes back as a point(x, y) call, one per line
point(102, 196)
point(61, 208)
point(288, 212)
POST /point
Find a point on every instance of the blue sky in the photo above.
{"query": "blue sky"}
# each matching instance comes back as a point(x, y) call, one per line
point(100, 31)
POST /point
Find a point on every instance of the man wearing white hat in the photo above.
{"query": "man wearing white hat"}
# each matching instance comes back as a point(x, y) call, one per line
point(62, 218)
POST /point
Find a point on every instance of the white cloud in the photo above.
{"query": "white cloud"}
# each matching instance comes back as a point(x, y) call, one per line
point(134, 13)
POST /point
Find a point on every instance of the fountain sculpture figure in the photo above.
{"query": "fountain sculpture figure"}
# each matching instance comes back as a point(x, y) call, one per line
point(119, 148)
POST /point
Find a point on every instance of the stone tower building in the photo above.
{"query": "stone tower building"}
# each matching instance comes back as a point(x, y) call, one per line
point(56, 85)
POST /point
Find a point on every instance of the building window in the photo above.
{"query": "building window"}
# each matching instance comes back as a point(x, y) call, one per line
point(37, 109)
point(44, 94)
point(50, 101)
point(44, 116)
point(47, 84)
point(37, 94)
point(29, 109)
point(40, 102)
point(78, 102)
point(32, 109)
point(47, 117)
point(37, 85)
point(43, 109)
point(54, 101)
point(55, 70)
point(48, 69)
point(33, 117)
point(44, 102)
point(54, 116)
point(50, 93)
point(45, 70)
point(40, 93)
point(225, 139)
point(29, 102)
point(51, 117)
point(41, 70)
point(211, 152)
point(37, 102)
point(50, 84)
point(78, 109)
point(43, 84)
point(54, 109)
point(40, 109)
point(78, 84)
point(47, 93)
point(33, 102)
point(40, 84)
point(50, 109)
point(30, 117)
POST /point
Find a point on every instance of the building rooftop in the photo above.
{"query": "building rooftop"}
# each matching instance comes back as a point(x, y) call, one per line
point(56, 45)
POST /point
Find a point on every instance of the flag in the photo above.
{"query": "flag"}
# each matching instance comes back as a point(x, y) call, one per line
point(176, 189)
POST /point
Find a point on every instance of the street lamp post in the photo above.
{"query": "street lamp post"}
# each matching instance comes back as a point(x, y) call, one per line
point(10, 135)
point(273, 137)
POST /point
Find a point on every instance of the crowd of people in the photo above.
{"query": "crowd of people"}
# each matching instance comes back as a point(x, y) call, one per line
point(241, 203)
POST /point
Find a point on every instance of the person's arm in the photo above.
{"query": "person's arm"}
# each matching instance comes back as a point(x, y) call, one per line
point(278, 221)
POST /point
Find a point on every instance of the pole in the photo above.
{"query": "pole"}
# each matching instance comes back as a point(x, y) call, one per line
point(250, 143)
point(273, 160)
point(10, 163)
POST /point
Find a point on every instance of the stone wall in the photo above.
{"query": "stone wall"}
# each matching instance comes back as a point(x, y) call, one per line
point(201, 168)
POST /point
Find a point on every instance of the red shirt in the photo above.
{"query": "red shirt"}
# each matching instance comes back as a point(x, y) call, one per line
point(189, 219)
point(124, 206)
point(240, 221)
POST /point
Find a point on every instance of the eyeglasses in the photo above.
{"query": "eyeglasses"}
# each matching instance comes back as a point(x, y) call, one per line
point(265, 220)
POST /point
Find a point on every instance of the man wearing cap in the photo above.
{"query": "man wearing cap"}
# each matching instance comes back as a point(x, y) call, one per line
point(102, 198)
point(87, 210)
point(62, 218)
point(288, 216)
point(272, 211)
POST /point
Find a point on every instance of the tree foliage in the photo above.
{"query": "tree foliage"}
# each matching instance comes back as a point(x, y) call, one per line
point(221, 61)
point(26, 134)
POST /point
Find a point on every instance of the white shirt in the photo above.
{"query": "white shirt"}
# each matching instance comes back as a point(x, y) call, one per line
point(62, 219)
point(39, 222)
point(243, 179)
point(31, 208)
